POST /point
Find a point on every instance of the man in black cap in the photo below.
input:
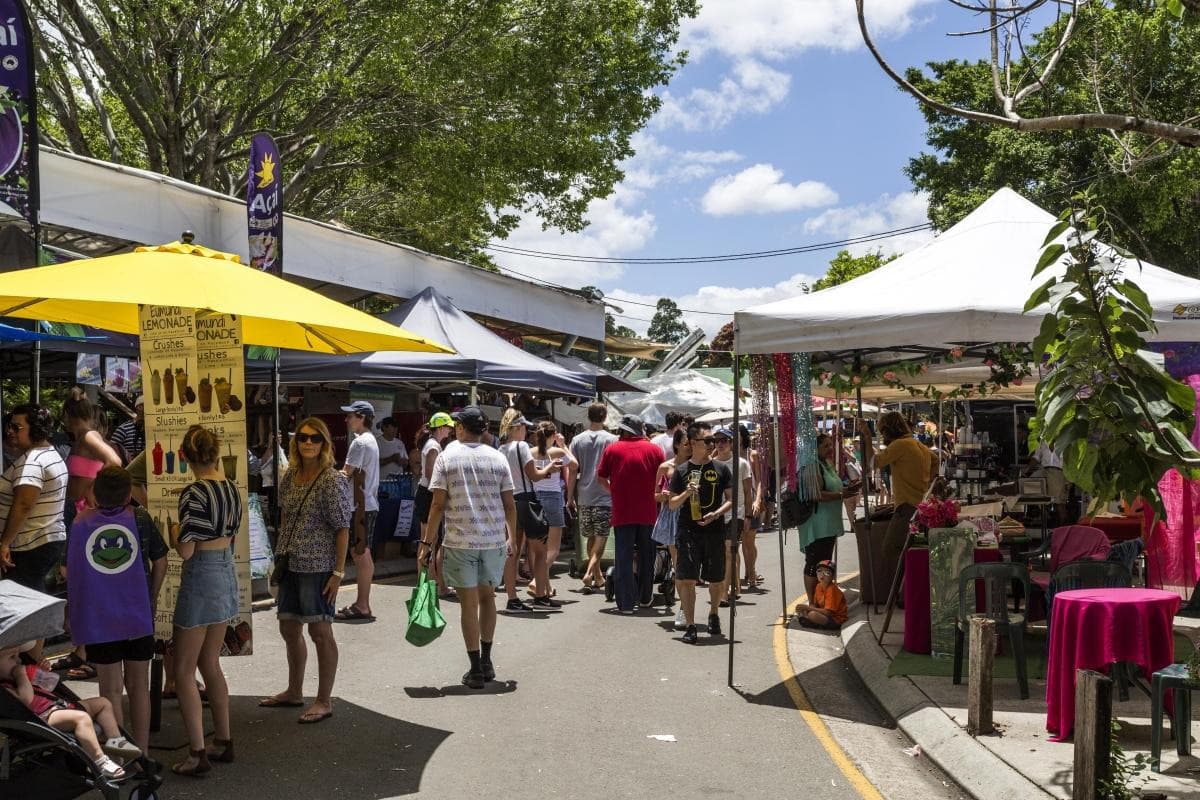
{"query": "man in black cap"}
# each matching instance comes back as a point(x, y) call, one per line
point(362, 468)
point(628, 469)
point(473, 491)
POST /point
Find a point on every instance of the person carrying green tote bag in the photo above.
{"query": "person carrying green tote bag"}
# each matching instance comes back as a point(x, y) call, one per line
point(425, 620)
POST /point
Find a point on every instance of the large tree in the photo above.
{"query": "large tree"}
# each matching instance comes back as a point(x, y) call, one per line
point(1019, 99)
point(667, 324)
point(1153, 202)
point(845, 267)
point(434, 122)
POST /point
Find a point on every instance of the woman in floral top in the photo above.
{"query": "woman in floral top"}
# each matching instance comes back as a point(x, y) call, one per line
point(314, 536)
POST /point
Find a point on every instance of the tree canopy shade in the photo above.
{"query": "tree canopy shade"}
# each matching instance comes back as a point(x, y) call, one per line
point(432, 122)
point(1151, 194)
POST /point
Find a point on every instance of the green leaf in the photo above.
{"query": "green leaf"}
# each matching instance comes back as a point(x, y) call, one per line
point(1056, 231)
point(1040, 295)
point(1049, 256)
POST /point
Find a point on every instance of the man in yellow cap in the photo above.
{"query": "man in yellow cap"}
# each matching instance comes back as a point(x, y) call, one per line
point(439, 431)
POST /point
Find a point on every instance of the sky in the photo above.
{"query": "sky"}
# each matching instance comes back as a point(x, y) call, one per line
point(780, 131)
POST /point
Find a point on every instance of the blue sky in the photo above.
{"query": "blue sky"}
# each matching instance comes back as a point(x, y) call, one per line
point(781, 131)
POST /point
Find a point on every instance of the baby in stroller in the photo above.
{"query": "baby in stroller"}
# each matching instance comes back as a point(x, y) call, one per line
point(32, 686)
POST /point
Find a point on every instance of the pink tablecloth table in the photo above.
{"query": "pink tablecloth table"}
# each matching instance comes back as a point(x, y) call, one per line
point(918, 634)
point(1092, 628)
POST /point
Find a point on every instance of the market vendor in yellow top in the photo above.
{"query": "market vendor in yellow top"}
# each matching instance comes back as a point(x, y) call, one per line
point(914, 466)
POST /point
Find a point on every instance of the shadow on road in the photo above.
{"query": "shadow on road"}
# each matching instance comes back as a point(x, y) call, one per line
point(458, 690)
point(278, 758)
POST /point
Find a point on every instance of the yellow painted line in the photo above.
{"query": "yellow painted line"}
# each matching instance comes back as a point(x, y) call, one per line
point(813, 720)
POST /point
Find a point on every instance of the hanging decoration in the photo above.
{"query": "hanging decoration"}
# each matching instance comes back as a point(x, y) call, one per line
point(808, 472)
point(787, 415)
point(760, 386)
point(1009, 365)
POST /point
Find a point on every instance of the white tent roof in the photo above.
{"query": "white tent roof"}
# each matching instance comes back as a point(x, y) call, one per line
point(968, 285)
point(685, 391)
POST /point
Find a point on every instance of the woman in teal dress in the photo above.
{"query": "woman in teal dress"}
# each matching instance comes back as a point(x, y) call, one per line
point(820, 532)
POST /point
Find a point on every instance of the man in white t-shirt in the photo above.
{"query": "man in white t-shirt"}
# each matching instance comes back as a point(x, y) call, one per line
point(666, 439)
point(473, 490)
point(393, 457)
point(362, 468)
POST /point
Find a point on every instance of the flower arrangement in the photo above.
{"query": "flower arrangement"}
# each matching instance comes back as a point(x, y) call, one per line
point(935, 513)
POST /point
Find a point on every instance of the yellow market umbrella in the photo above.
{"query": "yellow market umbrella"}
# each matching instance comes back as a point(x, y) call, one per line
point(106, 292)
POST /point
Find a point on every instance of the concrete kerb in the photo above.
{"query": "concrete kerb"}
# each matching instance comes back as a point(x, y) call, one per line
point(979, 771)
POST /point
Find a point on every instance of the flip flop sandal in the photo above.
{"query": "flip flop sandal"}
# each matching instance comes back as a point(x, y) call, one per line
point(352, 612)
point(275, 702)
point(84, 672)
point(311, 719)
point(69, 661)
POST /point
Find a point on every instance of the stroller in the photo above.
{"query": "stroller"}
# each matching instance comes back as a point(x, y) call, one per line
point(35, 759)
point(664, 576)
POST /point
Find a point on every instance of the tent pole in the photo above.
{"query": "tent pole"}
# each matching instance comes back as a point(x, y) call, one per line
point(732, 567)
point(35, 376)
point(867, 473)
point(275, 443)
point(774, 395)
point(473, 395)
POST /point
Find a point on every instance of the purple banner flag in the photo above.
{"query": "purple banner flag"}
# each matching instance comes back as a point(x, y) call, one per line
point(264, 205)
point(18, 114)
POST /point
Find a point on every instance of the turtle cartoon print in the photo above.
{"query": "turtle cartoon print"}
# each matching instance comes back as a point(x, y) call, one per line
point(112, 549)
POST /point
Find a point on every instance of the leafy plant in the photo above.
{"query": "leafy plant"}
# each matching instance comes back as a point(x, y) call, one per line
point(1118, 420)
point(1124, 773)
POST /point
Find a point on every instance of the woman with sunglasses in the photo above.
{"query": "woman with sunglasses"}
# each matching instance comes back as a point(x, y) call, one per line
point(210, 515)
point(313, 536)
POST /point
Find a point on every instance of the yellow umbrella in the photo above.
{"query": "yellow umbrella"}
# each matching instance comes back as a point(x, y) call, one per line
point(106, 292)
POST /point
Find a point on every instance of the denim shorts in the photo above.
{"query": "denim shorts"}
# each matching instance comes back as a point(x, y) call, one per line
point(300, 597)
point(208, 590)
point(466, 569)
point(552, 504)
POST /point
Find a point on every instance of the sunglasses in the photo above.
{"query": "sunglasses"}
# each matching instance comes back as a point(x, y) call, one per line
point(315, 438)
point(708, 440)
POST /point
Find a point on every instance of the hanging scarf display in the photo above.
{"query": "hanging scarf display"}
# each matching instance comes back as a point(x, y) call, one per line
point(808, 471)
point(760, 388)
point(787, 415)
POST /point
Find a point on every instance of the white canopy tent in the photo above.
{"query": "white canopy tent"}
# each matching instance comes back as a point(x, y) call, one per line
point(968, 285)
point(685, 391)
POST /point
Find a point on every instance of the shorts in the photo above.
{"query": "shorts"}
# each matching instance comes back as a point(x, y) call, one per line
point(369, 518)
point(140, 649)
point(422, 504)
point(831, 625)
point(31, 567)
point(466, 569)
point(815, 553)
point(552, 506)
point(595, 520)
point(300, 599)
point(208, 590)
point(733, 527)
point(701, 555)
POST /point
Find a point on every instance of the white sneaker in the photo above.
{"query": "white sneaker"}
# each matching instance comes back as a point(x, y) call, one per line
point(680, 622)
point(111, 770)
point(121, 747)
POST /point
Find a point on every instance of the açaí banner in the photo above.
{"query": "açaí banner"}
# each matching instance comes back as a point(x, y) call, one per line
point(264, 205)
point(18, 114)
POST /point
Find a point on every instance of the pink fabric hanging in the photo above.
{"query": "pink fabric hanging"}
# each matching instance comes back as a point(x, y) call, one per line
point(787, 415)
point(1171, 556)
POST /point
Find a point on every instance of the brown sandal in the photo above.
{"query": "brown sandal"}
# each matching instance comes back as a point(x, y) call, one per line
point(202, 764)
point(225, 752)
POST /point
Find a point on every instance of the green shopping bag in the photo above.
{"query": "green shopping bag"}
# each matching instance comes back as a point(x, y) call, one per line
point(425, 620)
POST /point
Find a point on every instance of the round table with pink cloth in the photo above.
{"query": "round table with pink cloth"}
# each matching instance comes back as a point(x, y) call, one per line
point(1093, 628)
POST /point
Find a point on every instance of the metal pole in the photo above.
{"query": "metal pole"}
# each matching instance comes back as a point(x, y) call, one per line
point(35, 376)
point(737, 529)
point(473, 393)
point(276, 442)
point(774, 394)
point(867, 473)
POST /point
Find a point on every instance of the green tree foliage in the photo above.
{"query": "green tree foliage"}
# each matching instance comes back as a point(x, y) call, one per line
point(845, 267)
point(720, 348)
point(667, 324)
point(433, 122)
point(1151, 191)
point(1119, 421)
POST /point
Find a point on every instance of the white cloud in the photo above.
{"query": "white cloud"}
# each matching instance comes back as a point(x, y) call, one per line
point(773, 29)
point(887, 213)
point(753, 87)
point(760, 189)
point(655, 163)
point(724, 299)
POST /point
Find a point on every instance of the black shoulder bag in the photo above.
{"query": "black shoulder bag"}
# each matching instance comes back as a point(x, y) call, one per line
point(530, 514)
point(281, 559)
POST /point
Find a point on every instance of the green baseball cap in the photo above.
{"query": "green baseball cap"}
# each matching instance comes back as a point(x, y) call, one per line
point(441, 420)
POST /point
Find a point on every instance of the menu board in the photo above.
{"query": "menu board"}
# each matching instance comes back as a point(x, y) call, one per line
point(193, 373)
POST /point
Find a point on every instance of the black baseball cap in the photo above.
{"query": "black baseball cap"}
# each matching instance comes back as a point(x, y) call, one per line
point(471, 418)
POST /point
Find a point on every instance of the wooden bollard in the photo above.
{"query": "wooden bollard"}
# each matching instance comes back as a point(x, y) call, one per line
point(981, 658)
point(1093, 723)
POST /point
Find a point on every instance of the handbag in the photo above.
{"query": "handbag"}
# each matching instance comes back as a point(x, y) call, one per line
point(530, 514)
point(425, 620)
point(280, 568)
point(794, 512)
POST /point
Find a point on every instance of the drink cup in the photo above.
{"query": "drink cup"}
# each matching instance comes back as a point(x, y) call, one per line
point(170, 457)
point(229, 463)
point(224, 389)
point(169, 387)
point(182, 463)
point(157, 453)
point(206, 392)
point(181, 385)
point(156, 387)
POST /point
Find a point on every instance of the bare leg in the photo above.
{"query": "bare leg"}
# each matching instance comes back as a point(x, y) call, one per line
point(553, 545)
point(687, 599)
point(750, 554)
point(327, 663)
point(487, 613)
point(292, 632)
point(112, 687)
point(469, 601)
point(716, 591)
point(79, 724)
point(214, 679)
point(188, 643)
point(137, 687)
point(510, 565)
point(364, 573)
point(595, 553)
point(540, 568)
point(99, 709)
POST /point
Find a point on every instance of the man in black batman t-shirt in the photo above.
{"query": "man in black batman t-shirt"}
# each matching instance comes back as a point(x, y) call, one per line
point(702, 491)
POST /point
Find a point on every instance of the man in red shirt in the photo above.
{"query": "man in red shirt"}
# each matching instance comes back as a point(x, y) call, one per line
point(627, 470)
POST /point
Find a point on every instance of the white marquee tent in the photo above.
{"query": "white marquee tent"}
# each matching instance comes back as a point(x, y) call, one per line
point(968, 285)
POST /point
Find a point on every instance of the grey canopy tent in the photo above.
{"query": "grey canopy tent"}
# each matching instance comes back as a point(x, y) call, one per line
point(605, 380)
point(481, 357)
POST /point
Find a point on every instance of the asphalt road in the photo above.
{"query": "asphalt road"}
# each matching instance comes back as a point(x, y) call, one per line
point(580, 693)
